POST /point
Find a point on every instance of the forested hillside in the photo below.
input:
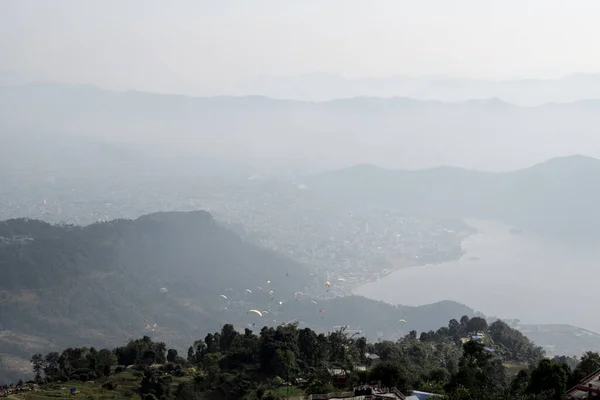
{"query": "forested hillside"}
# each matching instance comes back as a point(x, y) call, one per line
point(174, 276)
point(288, 361)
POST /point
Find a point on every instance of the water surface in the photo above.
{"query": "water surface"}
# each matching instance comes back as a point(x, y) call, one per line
point(526, 276)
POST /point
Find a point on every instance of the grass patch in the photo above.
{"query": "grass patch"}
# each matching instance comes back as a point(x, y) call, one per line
point(513, 369)
point(288, 391)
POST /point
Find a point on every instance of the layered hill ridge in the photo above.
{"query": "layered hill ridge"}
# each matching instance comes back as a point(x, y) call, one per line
point(558, 196)
point(397, 132)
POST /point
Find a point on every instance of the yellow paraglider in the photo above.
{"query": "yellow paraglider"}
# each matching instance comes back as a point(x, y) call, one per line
point(328, 284)
point(256, 311)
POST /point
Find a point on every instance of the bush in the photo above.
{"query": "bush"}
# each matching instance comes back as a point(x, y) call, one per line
point(109, 386)
point(84, 377)
point(119, 369)
point(170, 367)
point(138, 374)
point(81, 371)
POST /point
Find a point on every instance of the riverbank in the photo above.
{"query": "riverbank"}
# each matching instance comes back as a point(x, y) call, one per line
point(398, 264)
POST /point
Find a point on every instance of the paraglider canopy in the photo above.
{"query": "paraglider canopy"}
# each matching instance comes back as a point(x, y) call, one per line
point(223, 296)
point(328, 284)
point(256, 312)
point(402, 320)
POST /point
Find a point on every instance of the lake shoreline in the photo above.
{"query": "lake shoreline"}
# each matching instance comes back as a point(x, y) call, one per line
point(463, 235)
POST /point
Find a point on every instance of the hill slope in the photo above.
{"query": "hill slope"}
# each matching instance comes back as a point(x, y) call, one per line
point(174, 276)
point(557, 196)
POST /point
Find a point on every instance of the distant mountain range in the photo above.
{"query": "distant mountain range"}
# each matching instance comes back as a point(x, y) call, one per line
point(324, 87)
point(330, 86)
point(560, 196)
point(173, 276)
point(395, 132)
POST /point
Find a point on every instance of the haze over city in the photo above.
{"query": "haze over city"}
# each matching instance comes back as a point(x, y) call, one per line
point(329, 185)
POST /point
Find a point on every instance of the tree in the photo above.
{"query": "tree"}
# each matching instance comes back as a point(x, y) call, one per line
point(38, 365)
point(172, 355)
point(361, 346)
point(476, 369)
point(212, 342)
point(149, 357)
point(454, 328)
point(52, 365)
point(589, 363)
point(387, 372)
point(518, 346)
point(548, 377)
point(156, 384)
point(477, 324)
point(319, 382)
point(210, 364)
point(285, 364)
point(227, 337)
point(464, 320)
point(519, 383)
point(106, 357)
point(571, 362)
point(308, 347)
point(160, 349)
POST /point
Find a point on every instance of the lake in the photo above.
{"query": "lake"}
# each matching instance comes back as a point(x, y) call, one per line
point(508, 275)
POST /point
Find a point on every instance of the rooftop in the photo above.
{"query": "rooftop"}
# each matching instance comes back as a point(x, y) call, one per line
point(589, 387)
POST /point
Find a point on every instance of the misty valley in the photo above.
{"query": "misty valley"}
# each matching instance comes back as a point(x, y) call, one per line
point(407, 238)
point(299, 200)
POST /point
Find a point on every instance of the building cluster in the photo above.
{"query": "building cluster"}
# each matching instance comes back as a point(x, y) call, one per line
point(349, 242)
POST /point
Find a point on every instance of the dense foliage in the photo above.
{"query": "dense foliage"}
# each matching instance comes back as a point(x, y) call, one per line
point(464, 360)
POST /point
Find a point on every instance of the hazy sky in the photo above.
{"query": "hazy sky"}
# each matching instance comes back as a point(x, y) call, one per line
point(197, 45)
